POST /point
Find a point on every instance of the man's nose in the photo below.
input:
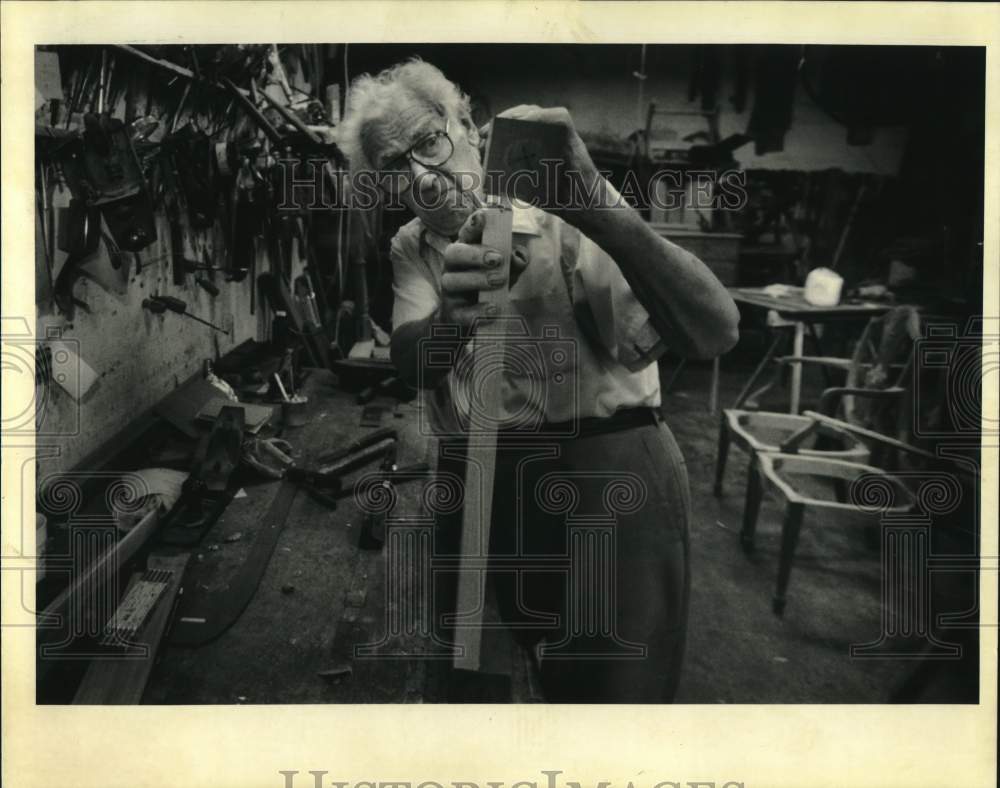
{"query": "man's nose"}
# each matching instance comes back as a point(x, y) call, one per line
point(426, 179)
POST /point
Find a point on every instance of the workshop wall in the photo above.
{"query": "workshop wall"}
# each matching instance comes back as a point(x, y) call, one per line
point(600, 86)
point(608, 107)
point(137, 357)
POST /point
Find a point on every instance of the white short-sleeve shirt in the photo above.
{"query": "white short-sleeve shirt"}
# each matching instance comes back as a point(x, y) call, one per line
point(579, 342)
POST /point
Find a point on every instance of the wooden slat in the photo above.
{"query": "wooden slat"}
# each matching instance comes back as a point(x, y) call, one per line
point(122, 680)
point(514, 147)
point(485, 393)
point(105, 568)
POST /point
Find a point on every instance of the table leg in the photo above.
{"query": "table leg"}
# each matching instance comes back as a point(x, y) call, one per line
point(761, 368)
point(814, 335)
point(674, 375)
point(797, 348)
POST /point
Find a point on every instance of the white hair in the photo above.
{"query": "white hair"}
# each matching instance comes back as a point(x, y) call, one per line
point(375, 100)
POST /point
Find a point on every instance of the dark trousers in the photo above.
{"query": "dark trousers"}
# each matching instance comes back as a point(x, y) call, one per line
point(589, 558)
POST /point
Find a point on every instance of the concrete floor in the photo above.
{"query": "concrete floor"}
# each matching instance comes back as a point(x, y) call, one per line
point(738, 650)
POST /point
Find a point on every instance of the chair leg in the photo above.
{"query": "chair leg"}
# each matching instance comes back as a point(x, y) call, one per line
point(789, 540)
point(755, 491)
point(840, 490)
point(721, 455)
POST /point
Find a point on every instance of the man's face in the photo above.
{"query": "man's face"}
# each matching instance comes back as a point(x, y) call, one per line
point(441, 195)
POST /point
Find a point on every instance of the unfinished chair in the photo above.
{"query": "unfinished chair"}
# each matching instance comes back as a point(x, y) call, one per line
point(784, 474)
point(876, 374)
point(878, 492)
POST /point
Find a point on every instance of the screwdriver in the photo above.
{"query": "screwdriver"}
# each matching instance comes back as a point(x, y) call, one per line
point(159, 304)
point(206, 285)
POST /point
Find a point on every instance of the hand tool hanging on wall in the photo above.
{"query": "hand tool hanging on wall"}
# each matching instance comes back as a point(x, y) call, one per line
point(158, 304)
point(207, 286)
point(103, 170)
point(304, 290)
point(175, 201)
point(247, 210)
point(286, 249)
point(195, 165)
point(171, 199)
point(237, 275)
point(80, 237)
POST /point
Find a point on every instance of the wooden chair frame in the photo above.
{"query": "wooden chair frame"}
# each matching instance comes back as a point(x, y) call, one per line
point(770, 465)
point(845, 396)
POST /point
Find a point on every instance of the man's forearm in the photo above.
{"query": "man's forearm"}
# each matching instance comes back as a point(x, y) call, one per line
point(689, 306)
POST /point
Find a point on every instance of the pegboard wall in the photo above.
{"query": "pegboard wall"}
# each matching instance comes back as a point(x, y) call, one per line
point(137, 357)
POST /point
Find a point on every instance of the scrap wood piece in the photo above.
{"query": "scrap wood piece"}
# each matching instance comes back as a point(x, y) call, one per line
point(182, 406)
point(121, 678)
point(254, 416)
point(48, 636)
point(143, 592)
point(337, 672)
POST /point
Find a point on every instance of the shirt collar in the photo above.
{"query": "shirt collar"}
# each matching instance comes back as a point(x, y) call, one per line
point(527, 221)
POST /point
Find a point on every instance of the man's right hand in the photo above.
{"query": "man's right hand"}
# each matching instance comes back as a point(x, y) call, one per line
point(470, 267)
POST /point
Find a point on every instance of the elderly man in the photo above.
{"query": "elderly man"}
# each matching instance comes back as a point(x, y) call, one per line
point(593, 275)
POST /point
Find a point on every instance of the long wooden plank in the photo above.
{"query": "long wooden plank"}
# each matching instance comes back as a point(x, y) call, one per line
point(121, 679)
point(104, 569)
point(514, 148)
point(485, 396)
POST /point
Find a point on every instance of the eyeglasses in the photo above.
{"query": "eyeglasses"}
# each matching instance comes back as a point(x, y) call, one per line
point(432, 150)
